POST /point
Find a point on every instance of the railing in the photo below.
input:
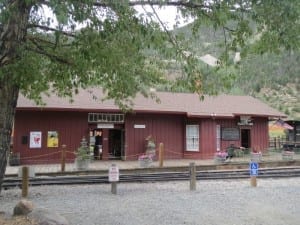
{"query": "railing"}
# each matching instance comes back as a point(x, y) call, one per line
point(277, 142)
point(284, 144)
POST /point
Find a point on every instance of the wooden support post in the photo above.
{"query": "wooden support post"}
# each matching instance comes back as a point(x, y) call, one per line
point(253, 181)
point(63, 158)
point(192, 176)
point(114, 188)
point(161, 155)
point(25, 181)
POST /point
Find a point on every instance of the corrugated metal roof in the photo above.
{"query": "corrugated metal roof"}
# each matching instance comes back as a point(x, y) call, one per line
point(186, 103)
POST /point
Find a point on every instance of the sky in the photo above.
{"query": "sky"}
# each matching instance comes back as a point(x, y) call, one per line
point(166, 14)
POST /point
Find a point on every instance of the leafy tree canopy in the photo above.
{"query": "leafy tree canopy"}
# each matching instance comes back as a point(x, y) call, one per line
point(105, 43)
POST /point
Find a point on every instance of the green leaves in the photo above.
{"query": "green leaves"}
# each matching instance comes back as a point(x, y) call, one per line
point(278, 24)
point(105, 44)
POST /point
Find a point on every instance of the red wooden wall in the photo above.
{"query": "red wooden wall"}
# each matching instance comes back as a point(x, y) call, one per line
point(166, 129)
point(259, 136)
point(71, 127)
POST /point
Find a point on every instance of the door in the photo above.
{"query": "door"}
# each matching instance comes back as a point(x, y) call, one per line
point(245, 138)
point(115, 143)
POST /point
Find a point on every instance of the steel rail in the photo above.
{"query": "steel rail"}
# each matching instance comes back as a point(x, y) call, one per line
point(152, 177)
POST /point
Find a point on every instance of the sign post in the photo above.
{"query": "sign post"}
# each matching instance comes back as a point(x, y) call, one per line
point(253, 173)
point(113, 177)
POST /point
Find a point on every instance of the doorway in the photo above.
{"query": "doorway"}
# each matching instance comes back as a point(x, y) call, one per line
point(245, 138)
point(116, 143)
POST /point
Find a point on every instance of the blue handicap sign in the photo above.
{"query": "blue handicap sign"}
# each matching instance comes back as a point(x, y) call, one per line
point(253, 169)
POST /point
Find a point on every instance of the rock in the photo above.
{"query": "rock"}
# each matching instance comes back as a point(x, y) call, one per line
point(46, 217)
point(23, 207)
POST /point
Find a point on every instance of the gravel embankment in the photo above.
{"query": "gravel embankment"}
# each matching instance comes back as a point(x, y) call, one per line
point(229, 202)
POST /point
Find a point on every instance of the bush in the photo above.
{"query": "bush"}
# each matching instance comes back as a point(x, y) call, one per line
point(82, 153)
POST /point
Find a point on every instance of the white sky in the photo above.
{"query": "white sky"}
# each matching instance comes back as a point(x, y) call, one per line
point(168, 15)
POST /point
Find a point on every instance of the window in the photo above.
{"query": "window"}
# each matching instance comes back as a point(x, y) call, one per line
point(218, 137)
point(105, 118)
point(192, 138)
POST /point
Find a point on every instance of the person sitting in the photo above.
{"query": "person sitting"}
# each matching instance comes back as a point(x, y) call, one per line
point(230, 152)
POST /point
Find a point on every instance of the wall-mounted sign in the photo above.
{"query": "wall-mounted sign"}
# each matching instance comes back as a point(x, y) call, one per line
point(139, 126)
point(52, 139)
point(230, 134)
point(105, 125)
point(35, 139)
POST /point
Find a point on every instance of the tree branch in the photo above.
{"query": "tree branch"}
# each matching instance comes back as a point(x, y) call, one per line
point(36, 39)
point(175, 43)
point(188, 4)
point(45, 28)
point(50, 56)
point(40, 50)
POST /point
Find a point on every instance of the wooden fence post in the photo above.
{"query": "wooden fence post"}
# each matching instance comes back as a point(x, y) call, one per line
point(161, 155)
point(25, 181)
point(63, 158)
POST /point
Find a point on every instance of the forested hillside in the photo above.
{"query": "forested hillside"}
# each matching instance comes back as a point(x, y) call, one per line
point(272, 77)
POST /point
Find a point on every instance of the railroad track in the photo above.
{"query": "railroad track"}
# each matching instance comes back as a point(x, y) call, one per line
point(12, 182)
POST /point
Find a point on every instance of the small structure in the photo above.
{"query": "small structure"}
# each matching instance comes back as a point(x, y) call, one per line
point(210, 60)
point(293, 131)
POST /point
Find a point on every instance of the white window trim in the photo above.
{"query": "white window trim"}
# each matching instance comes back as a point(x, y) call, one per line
point(218, 137)
point(195, 137)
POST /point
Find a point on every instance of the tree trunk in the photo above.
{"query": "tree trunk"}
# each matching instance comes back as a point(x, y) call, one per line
point(12, 36)
point(8, 103)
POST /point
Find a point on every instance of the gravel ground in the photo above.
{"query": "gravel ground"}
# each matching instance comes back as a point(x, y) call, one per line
point(234, 202)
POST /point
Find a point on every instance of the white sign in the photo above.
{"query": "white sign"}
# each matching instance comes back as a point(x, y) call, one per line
point(35, 139)
point(253, 169)
point(105, 125)
point(113, 173)
point(139, 126)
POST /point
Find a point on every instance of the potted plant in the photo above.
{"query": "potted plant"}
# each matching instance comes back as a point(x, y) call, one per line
point(287, 155)
point(220, 156)
point(150, 145)
point(256, 156)
point(82, 160)
point(145, 160)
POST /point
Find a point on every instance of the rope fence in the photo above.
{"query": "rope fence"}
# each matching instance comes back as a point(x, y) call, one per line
point(64, 158)
point(169, 153)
